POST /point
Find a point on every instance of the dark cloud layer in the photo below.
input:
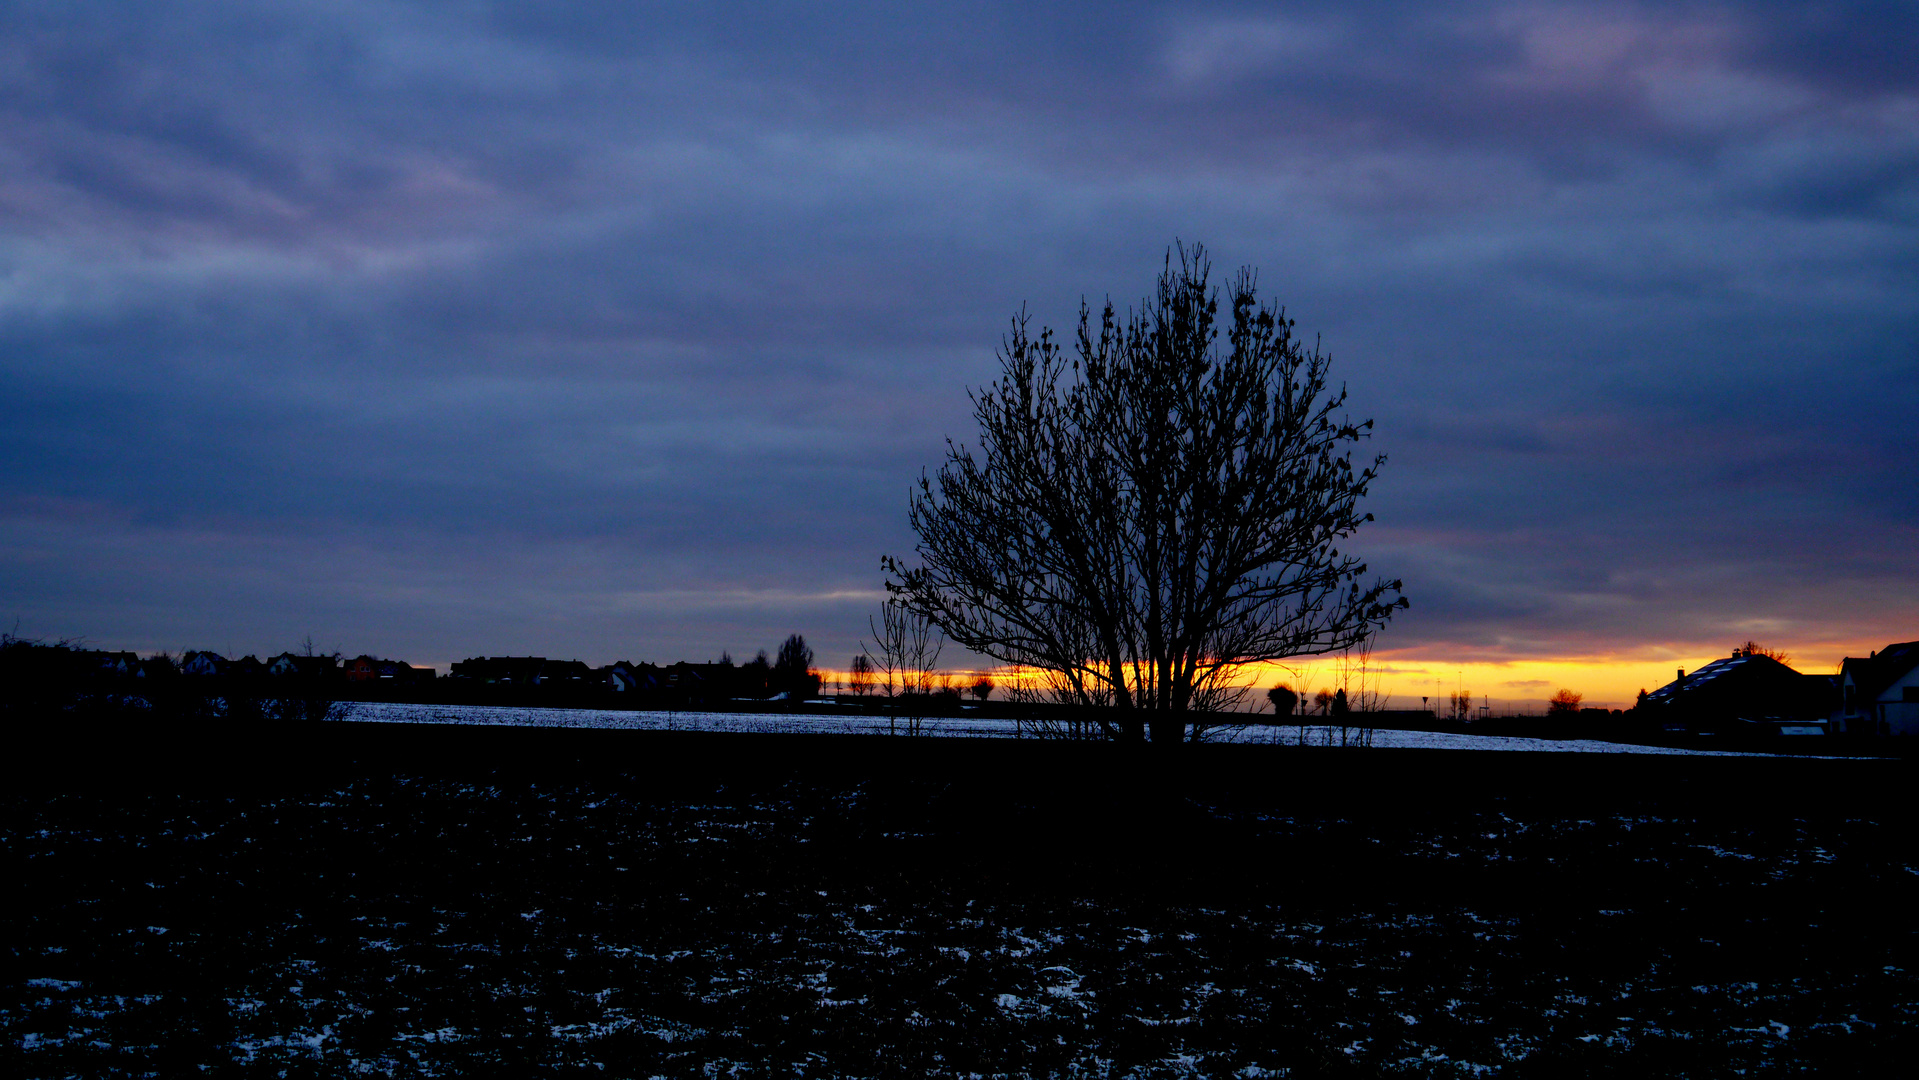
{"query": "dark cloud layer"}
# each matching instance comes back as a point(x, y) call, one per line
point(602, 330)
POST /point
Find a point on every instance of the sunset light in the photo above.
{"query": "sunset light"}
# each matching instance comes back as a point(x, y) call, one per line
point(633, 539)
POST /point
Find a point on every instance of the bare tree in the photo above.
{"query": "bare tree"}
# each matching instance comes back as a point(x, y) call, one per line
point(1358, 686)
point(1753, 648)
point(1047, 690)
point(860, 676)
point(1357, 676)
point(1143, 521)
point(1564, 703)
point(908, 648)
point(924, 643)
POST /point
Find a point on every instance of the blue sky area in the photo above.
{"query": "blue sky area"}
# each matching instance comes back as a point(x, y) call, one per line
point(613, 330)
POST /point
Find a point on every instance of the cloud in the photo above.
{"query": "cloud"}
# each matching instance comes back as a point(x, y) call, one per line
point(1225, 50)
point(590, 302)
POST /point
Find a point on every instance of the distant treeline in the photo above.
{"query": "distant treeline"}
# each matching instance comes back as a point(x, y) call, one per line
point(63, 675)
point(1744, 697)
point(789, 679)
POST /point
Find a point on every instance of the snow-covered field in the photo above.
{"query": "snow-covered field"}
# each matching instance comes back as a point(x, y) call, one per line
point(1258, 734)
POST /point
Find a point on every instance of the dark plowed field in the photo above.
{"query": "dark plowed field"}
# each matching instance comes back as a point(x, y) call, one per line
point(420, 901)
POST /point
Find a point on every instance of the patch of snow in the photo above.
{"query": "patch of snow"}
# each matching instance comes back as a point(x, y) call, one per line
point(584, 1032)
point(947, 727)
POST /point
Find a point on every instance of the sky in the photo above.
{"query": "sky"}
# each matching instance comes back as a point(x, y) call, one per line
point(611, 330)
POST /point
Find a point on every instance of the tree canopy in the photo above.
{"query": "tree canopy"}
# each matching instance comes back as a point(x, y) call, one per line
point(792, 670)
point(1145, 517)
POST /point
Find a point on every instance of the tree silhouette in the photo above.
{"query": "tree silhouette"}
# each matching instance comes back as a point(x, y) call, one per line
point(1141, 522)
point(904, 656)
point(860, 675)
point(753, 677)
point(1564, 703)
point(1753, 648)
point(793, 670)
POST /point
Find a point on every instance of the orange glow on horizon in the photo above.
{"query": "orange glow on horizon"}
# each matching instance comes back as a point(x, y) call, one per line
point(1520, 684)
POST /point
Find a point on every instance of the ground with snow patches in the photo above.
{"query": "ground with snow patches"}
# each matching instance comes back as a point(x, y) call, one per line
point(704, 912)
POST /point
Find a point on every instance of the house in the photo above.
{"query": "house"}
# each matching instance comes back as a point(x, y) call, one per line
point(400, 671)
point(566, 673)
point(516, 670)
point(109, 664)
point(698, 683)
point(615, 677)
point(319, 667)
point(645, 680)
point(202, 663)
point(648, 678)
point(372, 668)
point(624, 678)
point(510, 670)
point(1879, 693)
point(1747, 693)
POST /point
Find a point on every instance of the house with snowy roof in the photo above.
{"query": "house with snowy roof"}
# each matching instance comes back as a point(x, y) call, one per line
point(1879, 693)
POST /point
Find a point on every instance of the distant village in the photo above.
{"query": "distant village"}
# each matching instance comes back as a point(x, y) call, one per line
point(1751, 693)
point(482, 678)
